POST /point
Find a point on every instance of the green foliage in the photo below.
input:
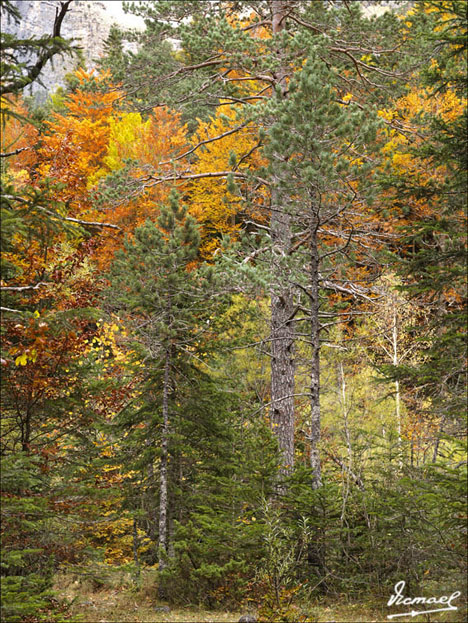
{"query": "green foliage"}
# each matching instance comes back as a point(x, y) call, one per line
point(285, 550)
point(307, 139)
point(215, 472)
point(449, 35)
point(151, 280)
point(27, 563)
point(218, 538)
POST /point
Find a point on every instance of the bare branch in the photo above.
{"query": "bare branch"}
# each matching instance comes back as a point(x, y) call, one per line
point(330, 285)
point(205, 142)
point(23, 288)
point(8, 309)
point(254, 255)
point(13, 153)
point(194, 176)
point(78, 221)
point(339, 462)
point(352, 290)
point(61, 217)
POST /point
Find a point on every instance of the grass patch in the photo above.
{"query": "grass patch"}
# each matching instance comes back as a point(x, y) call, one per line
point(108, 595)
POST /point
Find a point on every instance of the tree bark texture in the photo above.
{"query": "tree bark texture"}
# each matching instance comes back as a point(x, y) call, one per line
point(396, 361)
point(282, 349)
point(315, 359)
point(282, 304)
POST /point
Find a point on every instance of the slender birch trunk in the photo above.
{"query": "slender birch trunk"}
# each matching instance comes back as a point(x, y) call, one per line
point(397, 383)
point(162, 541)
point(136, 558)
point(349, 470)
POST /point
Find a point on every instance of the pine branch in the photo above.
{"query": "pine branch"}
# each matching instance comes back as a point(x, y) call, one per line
point(56, 47)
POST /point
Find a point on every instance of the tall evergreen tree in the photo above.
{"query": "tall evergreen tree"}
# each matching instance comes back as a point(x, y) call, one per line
point(318, 157)
point(183, 422)
point(164, 299)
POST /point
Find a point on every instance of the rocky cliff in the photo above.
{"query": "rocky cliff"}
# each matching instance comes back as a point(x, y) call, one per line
point(88, 22)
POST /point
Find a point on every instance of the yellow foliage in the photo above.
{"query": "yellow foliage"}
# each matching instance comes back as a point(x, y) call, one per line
point(126, 134)
point(21, 360)
point(29, 355)
point(211, 203)
point(152, 144)
point(418, 105)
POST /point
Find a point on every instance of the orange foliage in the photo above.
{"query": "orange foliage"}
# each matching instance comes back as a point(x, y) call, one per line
point(93, 139)
point(77, 142)
point(18, 135)
point(153, 144)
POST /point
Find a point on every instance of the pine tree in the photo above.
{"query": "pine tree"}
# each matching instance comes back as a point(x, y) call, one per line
point(185, 420)
point(154, 285)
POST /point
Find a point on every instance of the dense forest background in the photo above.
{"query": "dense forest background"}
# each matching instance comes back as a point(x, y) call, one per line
point(233, 286)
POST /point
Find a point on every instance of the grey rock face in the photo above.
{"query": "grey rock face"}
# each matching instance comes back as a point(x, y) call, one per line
point(247, 618)
point(378, 7)
point(87, 22)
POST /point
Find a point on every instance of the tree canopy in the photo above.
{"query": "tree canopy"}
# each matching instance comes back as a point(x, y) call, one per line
point(233, 283)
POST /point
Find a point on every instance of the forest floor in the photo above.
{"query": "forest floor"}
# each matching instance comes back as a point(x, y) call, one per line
point(123, 605)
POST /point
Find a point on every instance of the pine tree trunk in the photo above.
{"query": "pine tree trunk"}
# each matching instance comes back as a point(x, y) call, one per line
point(315, 359)
point(162, 542)
point(26, 432)
point(282, 324)
point(150, 506)
point(282, 351)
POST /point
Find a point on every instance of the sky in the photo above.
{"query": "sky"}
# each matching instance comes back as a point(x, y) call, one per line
point(124, 19)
